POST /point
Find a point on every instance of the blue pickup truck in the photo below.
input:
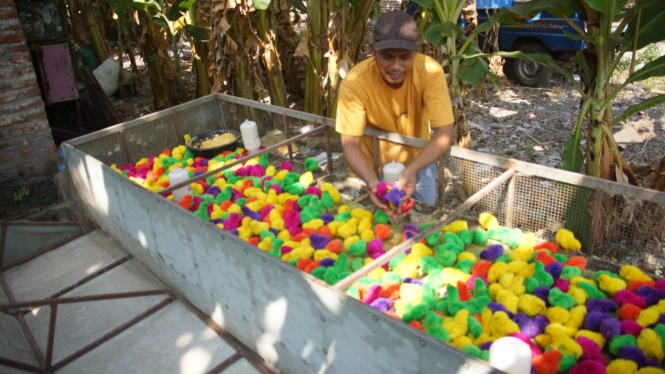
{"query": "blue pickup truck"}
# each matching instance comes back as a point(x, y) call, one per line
point(542, 33)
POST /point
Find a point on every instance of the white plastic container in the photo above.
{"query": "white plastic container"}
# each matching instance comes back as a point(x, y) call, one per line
point(250, 135)
point(176, 176)
point(392, 171)
point(511, 355)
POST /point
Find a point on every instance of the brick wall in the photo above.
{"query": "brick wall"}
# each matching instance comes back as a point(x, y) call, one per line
point(28, 157)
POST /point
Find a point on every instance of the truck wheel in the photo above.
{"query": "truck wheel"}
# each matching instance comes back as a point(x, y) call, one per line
point(529, 73)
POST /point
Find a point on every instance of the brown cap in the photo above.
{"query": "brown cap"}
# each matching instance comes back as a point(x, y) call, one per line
point(396, 30)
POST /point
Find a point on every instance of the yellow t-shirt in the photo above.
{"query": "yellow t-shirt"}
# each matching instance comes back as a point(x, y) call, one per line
point(365, 99)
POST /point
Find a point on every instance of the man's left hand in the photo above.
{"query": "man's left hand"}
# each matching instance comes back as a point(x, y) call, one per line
point(407, 182)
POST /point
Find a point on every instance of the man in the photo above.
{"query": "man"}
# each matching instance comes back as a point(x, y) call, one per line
point(396, 90)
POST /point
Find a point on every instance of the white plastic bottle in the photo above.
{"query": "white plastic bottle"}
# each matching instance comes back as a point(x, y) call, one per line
point(511, 355)
point(392, 171)
point(176, 176)
point(250, 136)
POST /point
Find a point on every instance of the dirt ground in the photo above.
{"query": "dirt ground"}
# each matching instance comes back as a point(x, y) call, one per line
point(528, 124)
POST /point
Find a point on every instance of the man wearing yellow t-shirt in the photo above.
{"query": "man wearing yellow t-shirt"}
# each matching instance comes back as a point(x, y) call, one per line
point(396, 90)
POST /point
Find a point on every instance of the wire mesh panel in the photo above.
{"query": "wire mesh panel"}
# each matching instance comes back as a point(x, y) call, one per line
point(630, 231)
point(544, 206)
point(472, 177)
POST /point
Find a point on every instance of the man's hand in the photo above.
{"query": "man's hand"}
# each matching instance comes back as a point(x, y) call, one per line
point(407, 182)
point(376, 200)
point(360, 165)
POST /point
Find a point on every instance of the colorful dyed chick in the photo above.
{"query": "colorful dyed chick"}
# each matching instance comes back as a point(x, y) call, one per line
point(566, 240)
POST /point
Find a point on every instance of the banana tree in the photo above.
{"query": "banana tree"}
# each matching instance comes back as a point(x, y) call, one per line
point(638, 27)
point(243, 55)
point(332, 45)
point(466, 69)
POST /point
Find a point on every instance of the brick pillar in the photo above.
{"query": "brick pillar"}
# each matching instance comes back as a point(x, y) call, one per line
point(28, 157)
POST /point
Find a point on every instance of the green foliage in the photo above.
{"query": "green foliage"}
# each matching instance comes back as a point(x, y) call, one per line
point(24, 192)
point(179, 8)
point(641, 23)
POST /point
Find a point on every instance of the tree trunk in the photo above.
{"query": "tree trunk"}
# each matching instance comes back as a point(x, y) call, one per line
point(317, 11)
point(161, 86)
point(270, 58)
point(603, 158)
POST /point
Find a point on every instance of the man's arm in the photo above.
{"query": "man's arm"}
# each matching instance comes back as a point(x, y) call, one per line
point(361, 166)
point(439, 143)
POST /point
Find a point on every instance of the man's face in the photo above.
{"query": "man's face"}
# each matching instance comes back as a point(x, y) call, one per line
point(394, 65)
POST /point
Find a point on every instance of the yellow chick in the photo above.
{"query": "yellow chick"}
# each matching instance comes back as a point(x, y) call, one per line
point(531, 305)
point(315, 224)
point(452, 276)
point(456, 226)
point(496, 271)
point(281, 175)
point(651, 344)
point(578, 295)
point(324, 253)
point(334, 193)
point(365, 224)
point(577, 314)
point(346, 230)
point(516, 266)
point(461, 342)
point(647, 317)
point(411, 293)
point(543, 340)
point(557, 331)
point(266, 244)
point(528, 242)
point(630, 272)
point(343, 208)
point(458, 325)
point(611, 285)
point(509, 300)
point(488, 221)
point(567, 346)
point(466, 256)
point(406, 270)
point(595, 336)
point(501, 325)
point(334, 226)
point(527, 272)
point(376, 273)
point(360, 213)
point(494, 290)
point(621, 366)
point(557, 314)
point(566, 240)
point(521, 254)
point(349, 241)
point(420, 249)
point(284, 234)
point(368, 236)
point(307, 178)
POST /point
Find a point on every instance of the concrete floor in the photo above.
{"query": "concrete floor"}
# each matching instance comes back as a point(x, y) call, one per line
point(170, 340)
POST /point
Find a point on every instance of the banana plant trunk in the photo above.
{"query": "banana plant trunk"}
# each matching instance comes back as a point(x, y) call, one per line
point(90, 21)
point(458, 97)
point(603, 157)
point(199, 53)
point(317, 11)
point(161, 87)
point(270, 58)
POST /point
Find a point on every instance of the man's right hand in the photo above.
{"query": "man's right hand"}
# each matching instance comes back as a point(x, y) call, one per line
point(376, 200)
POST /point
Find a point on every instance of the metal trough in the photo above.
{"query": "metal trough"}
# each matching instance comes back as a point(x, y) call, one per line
point(295, 322)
